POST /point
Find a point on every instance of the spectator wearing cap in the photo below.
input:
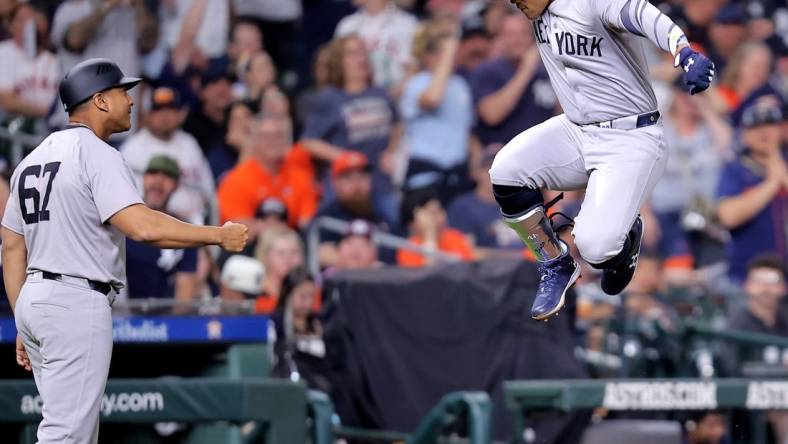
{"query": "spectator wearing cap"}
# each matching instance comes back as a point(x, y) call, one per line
point(726, 34)
point(387, 33)
point(753, 192)
point(208, 123)
point(162, 135)
point(425, 218)
point(267, 172)
point(29, 76)
point(161, 272)
point(475, 45)
point(476, 213)
point(356, 250)
point(512, 93)
point(437, 113)
point(352, 182)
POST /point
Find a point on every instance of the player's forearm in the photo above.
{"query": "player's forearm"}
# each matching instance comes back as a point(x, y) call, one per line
point(738, 210)
point(644, 19)
point(14, 264)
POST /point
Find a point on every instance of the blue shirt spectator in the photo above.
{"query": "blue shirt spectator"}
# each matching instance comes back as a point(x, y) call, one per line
point(359, 121)
point(753, 192)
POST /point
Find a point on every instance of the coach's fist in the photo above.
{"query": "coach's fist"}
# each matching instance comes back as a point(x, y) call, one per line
point(698, 70)
point(234, 236)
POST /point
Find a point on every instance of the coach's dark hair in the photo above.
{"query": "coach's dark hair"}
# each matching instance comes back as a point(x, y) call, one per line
point(770, 261)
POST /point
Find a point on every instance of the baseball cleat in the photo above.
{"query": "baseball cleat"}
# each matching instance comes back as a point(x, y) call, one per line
point(616, 278)
point(557, 276)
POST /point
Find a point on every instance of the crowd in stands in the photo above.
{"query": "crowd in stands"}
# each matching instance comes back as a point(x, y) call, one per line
point(386, 114)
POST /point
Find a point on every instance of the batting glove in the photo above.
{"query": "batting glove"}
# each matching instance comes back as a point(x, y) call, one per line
point(698, 70)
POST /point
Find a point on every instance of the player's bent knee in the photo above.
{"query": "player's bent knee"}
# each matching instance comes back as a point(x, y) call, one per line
point(597, 246)
point(516, 200)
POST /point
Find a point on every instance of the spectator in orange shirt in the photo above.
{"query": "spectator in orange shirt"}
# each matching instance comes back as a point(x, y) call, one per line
point(426, 220)
point(265, 173)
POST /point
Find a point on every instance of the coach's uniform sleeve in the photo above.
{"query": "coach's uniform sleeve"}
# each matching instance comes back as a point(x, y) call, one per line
point(110, 180)
point(12, 218)
point(641, 18)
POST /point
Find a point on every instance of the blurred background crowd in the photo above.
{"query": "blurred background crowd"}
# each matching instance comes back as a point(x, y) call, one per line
point(386, 115)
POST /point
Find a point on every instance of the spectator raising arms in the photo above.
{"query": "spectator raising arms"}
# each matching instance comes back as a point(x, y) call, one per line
point(387, 32)
point(437, 112)
point(753, 192)
point(29, 72)
point(512, 92)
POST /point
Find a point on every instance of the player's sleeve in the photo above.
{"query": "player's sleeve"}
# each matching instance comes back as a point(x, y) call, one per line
point(110, 180)
point(12, 218)
point(641, 18)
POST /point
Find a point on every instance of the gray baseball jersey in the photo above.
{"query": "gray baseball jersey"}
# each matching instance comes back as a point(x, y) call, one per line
point(593, 52)
point(62, 196)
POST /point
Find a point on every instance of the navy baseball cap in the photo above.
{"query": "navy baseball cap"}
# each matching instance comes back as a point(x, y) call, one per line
point(758, 115)
point(731, 14)
point(165, 98)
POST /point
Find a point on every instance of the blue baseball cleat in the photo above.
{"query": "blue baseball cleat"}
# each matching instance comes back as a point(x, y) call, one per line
point(617, 277)
point(557, 276)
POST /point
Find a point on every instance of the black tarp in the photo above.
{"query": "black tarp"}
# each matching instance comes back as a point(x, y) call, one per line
point(399, 339)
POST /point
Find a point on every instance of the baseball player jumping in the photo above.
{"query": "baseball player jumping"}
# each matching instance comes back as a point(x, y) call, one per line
point(609, 139)
point(72, 201)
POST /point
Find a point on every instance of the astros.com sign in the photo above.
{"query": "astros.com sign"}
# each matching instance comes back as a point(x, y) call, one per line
point(134, 402)
point(660, 395)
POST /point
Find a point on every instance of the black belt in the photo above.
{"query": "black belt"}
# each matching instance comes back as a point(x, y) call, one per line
point(647, 119)
point(102, 287)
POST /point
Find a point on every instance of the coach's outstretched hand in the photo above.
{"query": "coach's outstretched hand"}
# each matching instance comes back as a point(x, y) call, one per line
point(234, 236)
point(698, 70)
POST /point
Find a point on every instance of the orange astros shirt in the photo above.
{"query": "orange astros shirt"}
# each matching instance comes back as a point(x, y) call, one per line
point(248, 184)
point(450, 241)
